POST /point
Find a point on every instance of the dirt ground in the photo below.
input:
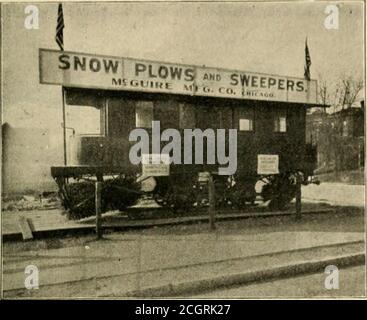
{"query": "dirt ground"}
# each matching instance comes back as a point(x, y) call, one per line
point(344, 219)
point(351, 284)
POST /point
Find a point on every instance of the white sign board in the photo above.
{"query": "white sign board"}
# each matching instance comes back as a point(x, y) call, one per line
point(71, 69)
point(267, 164)
point(155, 165)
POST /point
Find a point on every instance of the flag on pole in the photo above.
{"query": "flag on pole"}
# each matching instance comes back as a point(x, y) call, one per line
point(59, 38)
point(60, 28)
point(307, 63)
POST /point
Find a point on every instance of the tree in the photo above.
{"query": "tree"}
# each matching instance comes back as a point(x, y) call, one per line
point(347, 90)
point(324, 93)
point(341, 93)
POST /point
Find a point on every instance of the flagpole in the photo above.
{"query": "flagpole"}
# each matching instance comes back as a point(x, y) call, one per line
point(307, 73)
point(64, 123)
point(60, 42)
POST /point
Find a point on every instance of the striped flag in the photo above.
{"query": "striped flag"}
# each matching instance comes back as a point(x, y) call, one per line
point(59, 38)
point(307, 63)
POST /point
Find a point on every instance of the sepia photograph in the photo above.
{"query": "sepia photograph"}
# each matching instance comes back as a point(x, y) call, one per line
point(183, 150)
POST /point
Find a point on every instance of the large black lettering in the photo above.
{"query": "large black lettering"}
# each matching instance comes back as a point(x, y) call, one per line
point(234, 79)
point(300, 86)
point(151, 74)
point(139, 67)
point(245, 80)
point(64, 60)
point(254, 81)
point(281, 84)
point(271, 82)
point(189, 74)
point(79, 64)
point(176, 73)
point(262, 82)
point(163, 72)
point(95, 65)
point(290, 85)
point(110, 64)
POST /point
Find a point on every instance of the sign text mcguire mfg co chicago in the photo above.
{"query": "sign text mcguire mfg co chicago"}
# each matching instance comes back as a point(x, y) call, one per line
point(104, 72)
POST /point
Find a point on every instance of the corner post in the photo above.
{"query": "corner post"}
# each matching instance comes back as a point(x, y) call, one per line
point(98, 201)
point(298, 196)
point(64, 124)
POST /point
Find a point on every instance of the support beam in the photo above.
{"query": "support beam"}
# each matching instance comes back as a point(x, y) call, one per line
point(298, 197)
point(211, 190)
point(98, 198)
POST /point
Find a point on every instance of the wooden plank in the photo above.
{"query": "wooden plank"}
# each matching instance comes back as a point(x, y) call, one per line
point(25, 228)
point(123, 223)
point(76, 171)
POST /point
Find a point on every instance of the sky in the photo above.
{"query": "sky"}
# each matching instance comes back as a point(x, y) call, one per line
point(258, 37)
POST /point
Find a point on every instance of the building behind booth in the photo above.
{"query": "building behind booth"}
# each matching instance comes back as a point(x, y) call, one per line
point(339, 137)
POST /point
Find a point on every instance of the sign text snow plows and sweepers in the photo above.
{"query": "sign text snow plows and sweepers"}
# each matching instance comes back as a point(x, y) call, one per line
point(81, 70)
